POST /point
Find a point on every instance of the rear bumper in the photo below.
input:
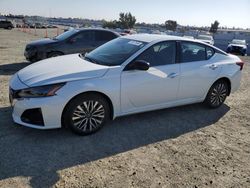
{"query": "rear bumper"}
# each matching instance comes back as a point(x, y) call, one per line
point(235, 81)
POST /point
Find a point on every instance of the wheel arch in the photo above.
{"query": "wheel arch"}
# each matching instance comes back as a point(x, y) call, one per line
point(54, 51)
point(92, 92)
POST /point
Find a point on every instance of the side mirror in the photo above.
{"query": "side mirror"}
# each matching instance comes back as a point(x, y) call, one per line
point(139, 65)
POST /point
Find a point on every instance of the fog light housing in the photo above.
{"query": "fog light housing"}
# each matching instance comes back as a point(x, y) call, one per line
point(33, 116)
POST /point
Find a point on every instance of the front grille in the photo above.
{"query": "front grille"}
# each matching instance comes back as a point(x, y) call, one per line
point(237, 48)
point(33, 116)
point(28, 48)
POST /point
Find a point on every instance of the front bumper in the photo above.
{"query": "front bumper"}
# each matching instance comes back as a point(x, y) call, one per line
point(236, 50)
point(50, 109)
point(30, 55)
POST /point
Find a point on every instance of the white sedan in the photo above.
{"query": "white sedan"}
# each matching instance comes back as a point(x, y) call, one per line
point(127, 75)
point(206, 38)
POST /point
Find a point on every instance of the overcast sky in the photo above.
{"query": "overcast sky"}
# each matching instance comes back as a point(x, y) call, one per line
point(186, 12)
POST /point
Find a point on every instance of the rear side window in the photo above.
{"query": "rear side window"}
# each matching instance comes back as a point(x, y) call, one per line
point(192, 52)
point(104, 36)
point(160, 54)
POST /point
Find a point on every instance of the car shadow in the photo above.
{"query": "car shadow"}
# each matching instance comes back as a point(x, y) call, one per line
point(40, 154)
point(9, 69)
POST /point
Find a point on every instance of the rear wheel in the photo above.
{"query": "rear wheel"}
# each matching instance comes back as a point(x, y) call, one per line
point(217, 94)
point(86, 113)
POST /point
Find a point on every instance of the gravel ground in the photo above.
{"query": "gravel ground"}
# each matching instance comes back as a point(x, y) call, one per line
point(188, 146)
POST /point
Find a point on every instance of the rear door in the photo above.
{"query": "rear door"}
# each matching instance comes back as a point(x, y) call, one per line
point(197, 69)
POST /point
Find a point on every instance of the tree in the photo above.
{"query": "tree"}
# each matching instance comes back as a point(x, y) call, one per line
point(126, 20)
point(171, 25)
point(110, 24)
point(214, 27)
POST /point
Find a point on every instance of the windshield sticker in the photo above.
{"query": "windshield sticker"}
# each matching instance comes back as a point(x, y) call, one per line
point(136, 43)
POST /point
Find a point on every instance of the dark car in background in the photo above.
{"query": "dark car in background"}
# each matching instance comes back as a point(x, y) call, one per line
point(6, 25)
point(237, 47)
point(70, 42)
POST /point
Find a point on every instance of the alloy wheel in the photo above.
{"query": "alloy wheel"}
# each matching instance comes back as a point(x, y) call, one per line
point(88, 116)
point(218, 95)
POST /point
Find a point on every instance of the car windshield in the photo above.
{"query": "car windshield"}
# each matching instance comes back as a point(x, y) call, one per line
point(114, 52)
point(66, 34)
point(243, 42)
point(204, 37)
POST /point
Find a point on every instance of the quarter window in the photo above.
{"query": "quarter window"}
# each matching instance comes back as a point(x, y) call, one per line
point(160, 54)
point(192, 52)
point(210, 52)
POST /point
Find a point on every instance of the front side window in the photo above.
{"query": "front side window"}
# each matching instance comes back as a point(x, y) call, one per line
point(160, 54)
point(115, 52)
point(192, 52)
point(85, 36)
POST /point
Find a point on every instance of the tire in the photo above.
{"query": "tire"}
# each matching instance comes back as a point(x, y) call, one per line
point(86, 114)
point(217, 94)
point(54, 54)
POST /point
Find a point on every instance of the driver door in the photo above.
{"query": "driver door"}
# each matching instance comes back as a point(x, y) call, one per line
point(82, 42)
point(155, 87)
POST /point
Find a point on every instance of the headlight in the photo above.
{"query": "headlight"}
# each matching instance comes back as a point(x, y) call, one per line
point(40, 91)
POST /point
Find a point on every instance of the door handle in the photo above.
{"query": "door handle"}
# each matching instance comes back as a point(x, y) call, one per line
point(173, 75)
point(213, 66)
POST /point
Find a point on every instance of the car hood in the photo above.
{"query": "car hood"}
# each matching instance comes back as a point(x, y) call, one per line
point(60, 69)
point(237, 45)
point(42, 42)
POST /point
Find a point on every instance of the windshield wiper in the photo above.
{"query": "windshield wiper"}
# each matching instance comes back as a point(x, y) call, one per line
point(91, 60)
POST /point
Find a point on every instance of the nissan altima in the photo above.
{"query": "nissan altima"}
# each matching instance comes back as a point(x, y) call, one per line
point(127, 75)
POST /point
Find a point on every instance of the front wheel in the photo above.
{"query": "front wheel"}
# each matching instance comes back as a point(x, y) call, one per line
point(217, 94)
point(86, 114)
point(54, 54)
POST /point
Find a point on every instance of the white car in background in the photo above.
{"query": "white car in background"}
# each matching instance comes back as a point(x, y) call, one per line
point(206, 38)
point(127, 75)
point(237, 46)
point(188, 36)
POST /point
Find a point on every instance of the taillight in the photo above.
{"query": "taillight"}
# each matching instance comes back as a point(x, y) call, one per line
point(241, 64)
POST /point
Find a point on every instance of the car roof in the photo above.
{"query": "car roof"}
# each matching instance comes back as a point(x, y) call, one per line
point(153, 37)
point(239, 40)
point(150, 38)
point(97, 29)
